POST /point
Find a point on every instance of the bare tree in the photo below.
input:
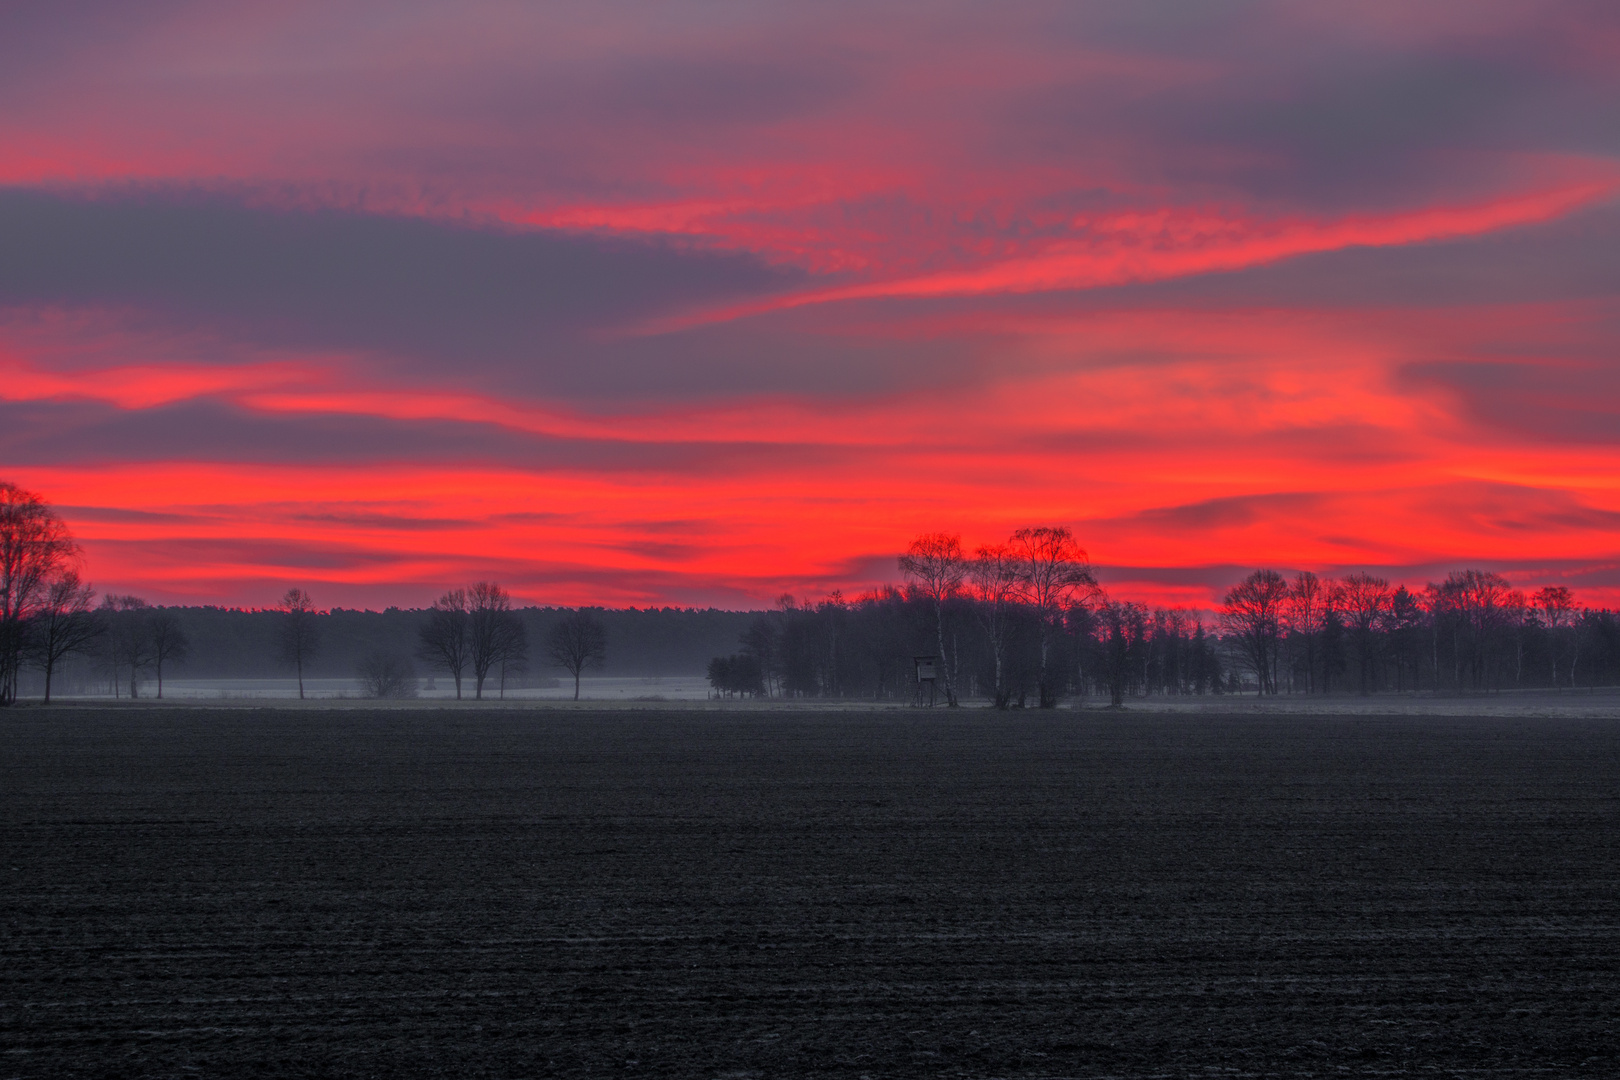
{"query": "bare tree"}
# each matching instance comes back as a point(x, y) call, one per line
point(1053, 572)
point(63, 625)
point(994, 574)
point(129, 638)
point(1121, 631)
point(1479, 598)
point(387, 675)
point(300, 634)
point(1519, 617)
point(1557, 611)
point(1304, 611)
point(1557, 606)
point(169, 643)
point(34, 547)
point(763, 641)
point(1364, 600)
point(576, 642)
point(1252, 612)
point(936, 568)
point(444, 640)
point(496, 635)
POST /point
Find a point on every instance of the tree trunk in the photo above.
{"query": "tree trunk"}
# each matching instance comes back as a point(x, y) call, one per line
point(944, 659)
point(576, 685)
point(299, 663)
point(1041, 691)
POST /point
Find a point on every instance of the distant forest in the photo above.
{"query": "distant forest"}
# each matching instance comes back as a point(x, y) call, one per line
point(1018, 624)
point(1025, 624)
point(228, 643)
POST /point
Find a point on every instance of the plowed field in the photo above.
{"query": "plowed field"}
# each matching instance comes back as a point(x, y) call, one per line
point(462, 893)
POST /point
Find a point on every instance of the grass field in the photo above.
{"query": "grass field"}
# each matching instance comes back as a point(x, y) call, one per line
point(265, 892)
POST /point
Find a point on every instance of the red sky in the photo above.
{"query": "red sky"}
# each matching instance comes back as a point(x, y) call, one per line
point(640, 303)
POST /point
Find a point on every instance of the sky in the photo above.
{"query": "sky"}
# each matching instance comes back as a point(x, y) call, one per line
point(701, 303)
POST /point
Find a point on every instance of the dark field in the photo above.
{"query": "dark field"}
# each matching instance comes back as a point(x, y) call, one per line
point(298, 893)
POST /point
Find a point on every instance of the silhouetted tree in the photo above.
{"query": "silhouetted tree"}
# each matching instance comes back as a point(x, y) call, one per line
point(1053, 572)
point(1252, 613)
point(1477, 598)
point(994, 573)
point(1405, 630)
point(169, 644)
point(762, 641)
point(300, 635)
point(128, 642)
point(1519, 620)
point(746, 676)
point(1121, 630)
point(934, 567)
point(496, 636)
point(444, 640)
point(1304, 610)
point(1207, 674)
point(739, 674)
point(888, 626)
point(1026, 630)
point(1438, 615)
point(35, 547)
point(1556, 605)
point(804, 656)
point(833, 615)
point(1331, 649)
point(63, 625)
point(1595, 632)
point(576, 642)
point(1364, 599)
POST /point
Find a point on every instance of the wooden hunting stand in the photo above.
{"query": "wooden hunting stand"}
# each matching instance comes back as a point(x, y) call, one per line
point(926, 677)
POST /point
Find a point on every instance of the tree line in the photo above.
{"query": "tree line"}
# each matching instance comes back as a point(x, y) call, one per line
point(474, 633)
point(1025, 622)
point(1472, 631)
point(1019, 624)
point(48, 615)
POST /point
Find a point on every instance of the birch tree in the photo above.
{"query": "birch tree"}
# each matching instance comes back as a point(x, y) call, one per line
point(935, 568)
point(1053, 572)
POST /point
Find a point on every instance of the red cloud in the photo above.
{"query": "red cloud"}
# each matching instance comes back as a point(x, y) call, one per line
point(625, 306)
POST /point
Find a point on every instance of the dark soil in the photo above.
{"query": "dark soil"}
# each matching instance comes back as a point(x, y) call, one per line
point(305, 893)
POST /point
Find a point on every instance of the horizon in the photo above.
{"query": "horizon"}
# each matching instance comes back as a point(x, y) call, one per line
point(1211, 610)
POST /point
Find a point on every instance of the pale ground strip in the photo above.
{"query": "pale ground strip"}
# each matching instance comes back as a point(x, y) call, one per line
point(598, 688)
point(694, 692)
